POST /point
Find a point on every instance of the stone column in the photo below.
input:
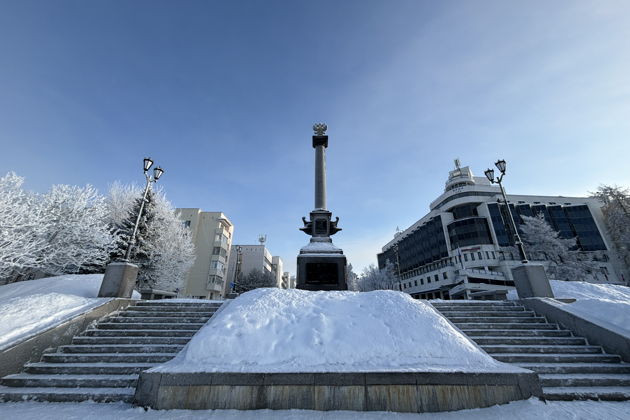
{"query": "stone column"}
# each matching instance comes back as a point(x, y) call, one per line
point(320, 177)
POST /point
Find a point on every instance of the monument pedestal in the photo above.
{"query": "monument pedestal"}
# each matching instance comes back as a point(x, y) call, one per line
point(119, 280)
point(321, 272)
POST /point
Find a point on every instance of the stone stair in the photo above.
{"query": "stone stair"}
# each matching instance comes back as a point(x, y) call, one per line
point(568, 367)
point(103, 363)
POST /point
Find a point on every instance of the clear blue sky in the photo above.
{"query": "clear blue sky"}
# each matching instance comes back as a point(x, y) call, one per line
point(223, 95)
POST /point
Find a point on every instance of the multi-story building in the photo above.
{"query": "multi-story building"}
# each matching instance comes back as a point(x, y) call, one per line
point(212, 235)
point(461, 248)
point(277, 269)
point(247, 258)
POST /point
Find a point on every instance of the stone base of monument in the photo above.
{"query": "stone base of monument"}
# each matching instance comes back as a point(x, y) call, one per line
point(413, 392)
point(321, 266)
point(531, 281)
point(119, 280)
point(376, 351)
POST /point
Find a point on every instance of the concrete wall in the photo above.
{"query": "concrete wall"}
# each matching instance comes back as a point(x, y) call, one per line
point(31, 349)
point(378, 391)
point(614, 342)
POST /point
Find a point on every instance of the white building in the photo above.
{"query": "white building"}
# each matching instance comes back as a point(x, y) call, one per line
point(247, 258)
point(212, 235)
point(458, 249)
point(277, 267)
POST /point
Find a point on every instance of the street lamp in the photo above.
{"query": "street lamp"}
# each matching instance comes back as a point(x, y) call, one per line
point(398, 265)
point(501, 165)
point(157, 173)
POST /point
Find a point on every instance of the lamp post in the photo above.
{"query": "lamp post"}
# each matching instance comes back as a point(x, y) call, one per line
point(398, 266)
point(237, 268)
point(501, 165)
point(157, 173)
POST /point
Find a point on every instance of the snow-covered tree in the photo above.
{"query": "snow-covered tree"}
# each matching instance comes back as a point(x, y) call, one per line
point(352, 279)
point(76, 229)
point(22, 229)
point(542, 242)
point(374, 279)
point(169, 248)
point(163, 248)
point(254, 280)
point(616, 210)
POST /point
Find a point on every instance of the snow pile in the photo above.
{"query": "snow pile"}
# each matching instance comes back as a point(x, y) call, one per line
point(605, 304)
point(319, 247)
point(275, 330)
point(28, 307)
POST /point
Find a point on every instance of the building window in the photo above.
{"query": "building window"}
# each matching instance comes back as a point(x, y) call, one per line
point(216, 250)
point(472, 256)
point(487, 255)
point(186, 223)
point(415, 283)
point(493, 256)
point(465, 257)
point(436, 277)
point(445, 275)
point(479, 255)
point(421, 282)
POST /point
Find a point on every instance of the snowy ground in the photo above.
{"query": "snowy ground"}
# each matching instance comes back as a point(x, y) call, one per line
point(28, 307)
point(275, 330)
point(520, 410)
point(605, 304)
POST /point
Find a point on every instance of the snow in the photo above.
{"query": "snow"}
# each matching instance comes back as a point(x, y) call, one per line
point(316, 247)
point(519, 410)
point(607, 305)
point(275, 330)
point(29, 307)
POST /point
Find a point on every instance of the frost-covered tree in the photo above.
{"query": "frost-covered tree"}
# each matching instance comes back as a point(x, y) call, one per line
point(76, 229)
point(616, 210)
point(374, 279)
point(254, 280)
point(169, 248)
point(352, 279)
point(543, 242)
point(163, 248)
point(22, 229)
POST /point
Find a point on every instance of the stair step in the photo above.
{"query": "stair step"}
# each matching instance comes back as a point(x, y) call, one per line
point(148, 326)
point(106, 357)
point(586, 393)
point(583, 379)
point(121, 348)
point(503, 326)
point(488, 314)
point(140, 332)
point(515, 333)
point(521, 349)
point(499, 320)
point(518, 358)
point(98, 341)
point(161, 308)
point(165, 314)
point(67, 394)
point(156, 320)
point(475, 303)
point(177, 305)
point(542, 368)
point(42, 368)
point(70, 381)
point(530, 341)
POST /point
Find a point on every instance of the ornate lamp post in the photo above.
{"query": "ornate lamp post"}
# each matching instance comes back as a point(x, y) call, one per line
point(157, 173)
point(120, 276)
point(501, 165)
point(398, 266)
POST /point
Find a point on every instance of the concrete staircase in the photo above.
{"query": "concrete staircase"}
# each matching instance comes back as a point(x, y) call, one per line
point(103, 363)
point(568, 367)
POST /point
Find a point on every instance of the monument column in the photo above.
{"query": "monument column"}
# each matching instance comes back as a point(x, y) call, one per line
point(321, 265)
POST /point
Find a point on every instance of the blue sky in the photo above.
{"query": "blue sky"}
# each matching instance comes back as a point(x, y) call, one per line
point(223, 95)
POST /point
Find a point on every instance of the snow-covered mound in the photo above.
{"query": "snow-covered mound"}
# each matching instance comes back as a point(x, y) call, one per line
point(275, 330)
point(605, 304)
point(28, 307)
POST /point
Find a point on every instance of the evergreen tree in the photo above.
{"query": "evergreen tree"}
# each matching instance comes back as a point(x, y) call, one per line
point(254, 280)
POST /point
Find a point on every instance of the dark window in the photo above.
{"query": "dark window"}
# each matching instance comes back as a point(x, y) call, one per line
point(445, 275)
point(436, 277)
point(465, 257)
point(216, 250)
point(415, 282)
point(472, 256)
point(479, 255)
point(421, 282)
point(471, 231)
point(487, 255)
